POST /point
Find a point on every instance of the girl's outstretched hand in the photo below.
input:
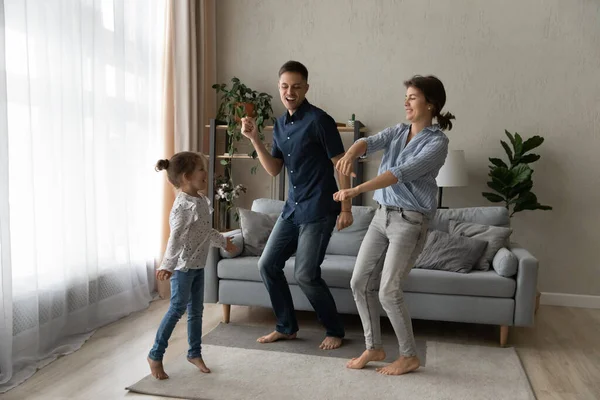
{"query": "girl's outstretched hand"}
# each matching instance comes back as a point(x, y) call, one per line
point(230, 248)
point(163, 274)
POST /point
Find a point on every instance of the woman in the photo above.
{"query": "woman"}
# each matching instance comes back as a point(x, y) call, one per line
point(405, 190)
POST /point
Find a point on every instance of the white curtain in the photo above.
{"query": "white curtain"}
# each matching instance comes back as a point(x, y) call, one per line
point(80, 202)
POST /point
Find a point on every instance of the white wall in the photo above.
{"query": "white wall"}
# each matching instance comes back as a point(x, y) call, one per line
point(522, 65)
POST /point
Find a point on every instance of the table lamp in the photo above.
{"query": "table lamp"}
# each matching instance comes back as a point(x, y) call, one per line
point(453, 173)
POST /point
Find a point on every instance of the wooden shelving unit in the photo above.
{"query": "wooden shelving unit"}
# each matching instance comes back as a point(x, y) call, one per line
point(247, 157)
point(269, 128)
point(216, 126)
point(235, 156)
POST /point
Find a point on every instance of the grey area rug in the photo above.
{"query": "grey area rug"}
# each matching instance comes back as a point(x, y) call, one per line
point(307, 342)
point(453, 371)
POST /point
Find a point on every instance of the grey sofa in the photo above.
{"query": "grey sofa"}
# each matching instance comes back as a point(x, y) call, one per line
point(482, 297)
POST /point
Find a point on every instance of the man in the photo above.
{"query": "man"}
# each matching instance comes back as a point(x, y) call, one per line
point(307, 142)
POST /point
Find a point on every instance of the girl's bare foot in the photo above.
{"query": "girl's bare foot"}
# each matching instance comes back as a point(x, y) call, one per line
point(330, 343)
point(401, 366)
point(275, 336)
point(199, 362)
point(366, 357)
point(157, 370)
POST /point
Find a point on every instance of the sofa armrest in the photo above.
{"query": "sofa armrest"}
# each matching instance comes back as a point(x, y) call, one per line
point(527, 277)
point(211, 279)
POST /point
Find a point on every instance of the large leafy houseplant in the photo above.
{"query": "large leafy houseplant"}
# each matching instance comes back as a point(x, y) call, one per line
point(235, 103)
point(240, 101)
point(512, 181)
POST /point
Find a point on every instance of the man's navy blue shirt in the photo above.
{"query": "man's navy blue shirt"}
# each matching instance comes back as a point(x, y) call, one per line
point(306, 141)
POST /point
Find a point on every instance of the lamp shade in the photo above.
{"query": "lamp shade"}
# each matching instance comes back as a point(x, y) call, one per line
point(454, 171)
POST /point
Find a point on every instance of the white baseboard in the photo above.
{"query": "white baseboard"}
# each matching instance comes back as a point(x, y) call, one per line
point(570, 300)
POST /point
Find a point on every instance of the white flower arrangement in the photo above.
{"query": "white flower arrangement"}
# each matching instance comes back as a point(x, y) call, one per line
point(228, 192)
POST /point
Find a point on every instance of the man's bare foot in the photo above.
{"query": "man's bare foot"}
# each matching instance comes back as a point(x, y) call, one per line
point(366, 357)
point(330, 343)
point(401, 366)
point(199, 362)
point(275, 336)
point(157, 370)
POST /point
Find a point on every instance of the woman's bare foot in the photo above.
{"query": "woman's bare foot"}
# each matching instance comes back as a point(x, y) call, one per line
point(401, 366)
point(366, 357)
point(199, 362)
point(157, 370)
point(275, 336)
point(330, 343)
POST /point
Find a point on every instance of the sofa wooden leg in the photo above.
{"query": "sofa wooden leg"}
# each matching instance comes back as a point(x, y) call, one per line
point(503, 335)
point(537, 302)
point(226, 312)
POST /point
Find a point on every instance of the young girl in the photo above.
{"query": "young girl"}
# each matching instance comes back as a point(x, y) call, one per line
point(185, 256)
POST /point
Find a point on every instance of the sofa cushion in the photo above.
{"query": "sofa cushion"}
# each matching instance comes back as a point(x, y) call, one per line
point(268, 206)
point(496, 216)
point(495, 236)
point(505, 263)
point(337, 272)
point(475, 283)
point(256, 228)
point(347, 241)
point(446, 252)
point(240, 268)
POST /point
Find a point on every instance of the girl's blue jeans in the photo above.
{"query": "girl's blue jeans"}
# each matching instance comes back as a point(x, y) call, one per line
point(187, 292)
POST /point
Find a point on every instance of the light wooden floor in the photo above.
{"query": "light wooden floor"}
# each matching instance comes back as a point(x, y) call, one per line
point(561, 354)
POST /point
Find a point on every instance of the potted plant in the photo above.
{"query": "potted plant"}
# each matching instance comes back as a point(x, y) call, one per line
point(240, 101)
point(513, 182)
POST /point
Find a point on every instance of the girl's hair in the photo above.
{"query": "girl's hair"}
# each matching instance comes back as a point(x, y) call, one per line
point(435, 94)
point(182, 163)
